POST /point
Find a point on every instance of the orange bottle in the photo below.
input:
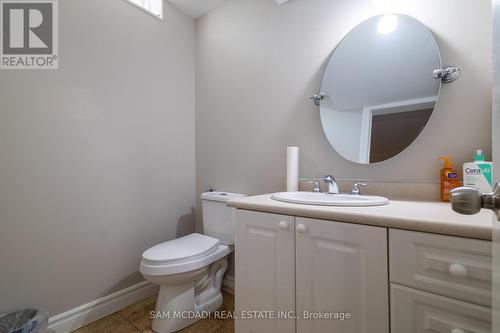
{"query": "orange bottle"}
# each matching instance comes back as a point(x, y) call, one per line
point(449, 179)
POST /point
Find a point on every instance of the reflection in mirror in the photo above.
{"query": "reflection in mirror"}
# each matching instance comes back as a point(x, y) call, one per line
point(379, 87)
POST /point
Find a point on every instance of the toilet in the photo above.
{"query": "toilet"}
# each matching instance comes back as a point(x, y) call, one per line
point(190, 269)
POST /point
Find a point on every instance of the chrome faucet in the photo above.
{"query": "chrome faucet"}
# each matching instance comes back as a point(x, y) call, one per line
point(333, 188)
point(355, 187)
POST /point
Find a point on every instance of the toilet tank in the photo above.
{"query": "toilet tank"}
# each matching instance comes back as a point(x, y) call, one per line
point(218, 219)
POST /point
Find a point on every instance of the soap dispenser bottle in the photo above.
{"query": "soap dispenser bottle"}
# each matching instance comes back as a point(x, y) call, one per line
point(479, 174)
point(449, 179)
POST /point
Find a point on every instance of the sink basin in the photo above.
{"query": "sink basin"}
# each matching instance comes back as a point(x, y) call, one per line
point(326, 199)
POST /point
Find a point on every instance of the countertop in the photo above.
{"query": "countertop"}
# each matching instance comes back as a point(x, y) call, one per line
point(432, 217)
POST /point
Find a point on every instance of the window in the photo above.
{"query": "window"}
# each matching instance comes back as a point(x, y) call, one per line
point(153, 7)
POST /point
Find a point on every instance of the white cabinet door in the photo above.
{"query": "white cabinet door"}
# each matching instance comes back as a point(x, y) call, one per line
point(341, 268)
point(265, 271)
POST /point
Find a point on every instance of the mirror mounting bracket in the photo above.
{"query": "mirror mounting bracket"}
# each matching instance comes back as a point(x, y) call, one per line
point(447, 74)
point(317, 98)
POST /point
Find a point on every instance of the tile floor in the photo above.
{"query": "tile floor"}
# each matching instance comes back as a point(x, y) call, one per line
point(135, 318)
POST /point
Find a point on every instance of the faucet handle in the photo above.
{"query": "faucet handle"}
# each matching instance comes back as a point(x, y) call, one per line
point(316, 186)
point(355, 187)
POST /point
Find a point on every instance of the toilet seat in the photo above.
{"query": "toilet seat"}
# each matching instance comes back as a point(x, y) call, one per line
point(181, 255)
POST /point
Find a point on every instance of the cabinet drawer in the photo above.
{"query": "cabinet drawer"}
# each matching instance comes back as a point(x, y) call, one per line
point(451, 266)
point(415, 311)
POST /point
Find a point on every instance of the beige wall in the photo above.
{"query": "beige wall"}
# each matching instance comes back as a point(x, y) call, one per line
point(258, 62)
point(96, 158)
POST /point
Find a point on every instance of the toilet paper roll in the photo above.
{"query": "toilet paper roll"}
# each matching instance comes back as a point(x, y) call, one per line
point(292, 169)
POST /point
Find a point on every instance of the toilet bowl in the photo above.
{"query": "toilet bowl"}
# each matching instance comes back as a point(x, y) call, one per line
point(190, 270)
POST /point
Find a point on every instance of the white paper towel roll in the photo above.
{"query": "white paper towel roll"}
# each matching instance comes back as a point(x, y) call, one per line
point(292, 169)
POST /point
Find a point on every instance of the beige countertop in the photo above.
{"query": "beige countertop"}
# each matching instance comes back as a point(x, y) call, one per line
point(433, 217)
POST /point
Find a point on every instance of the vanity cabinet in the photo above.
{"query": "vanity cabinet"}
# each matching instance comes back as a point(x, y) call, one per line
point(310, 267)
point(289, 267)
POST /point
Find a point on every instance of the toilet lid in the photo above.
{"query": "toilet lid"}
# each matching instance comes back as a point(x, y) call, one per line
point(187, 248)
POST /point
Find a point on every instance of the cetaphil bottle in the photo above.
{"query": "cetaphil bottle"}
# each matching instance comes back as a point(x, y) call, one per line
point(479, 174)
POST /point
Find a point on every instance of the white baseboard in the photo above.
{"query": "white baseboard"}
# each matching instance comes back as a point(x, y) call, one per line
point(90, 312)
point(228, 284)
point(85, 314)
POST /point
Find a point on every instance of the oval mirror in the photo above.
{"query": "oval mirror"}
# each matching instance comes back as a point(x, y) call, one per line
point(379, 88)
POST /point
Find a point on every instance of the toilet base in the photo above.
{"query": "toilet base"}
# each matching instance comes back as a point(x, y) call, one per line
point(181, 304)
point(174, 308)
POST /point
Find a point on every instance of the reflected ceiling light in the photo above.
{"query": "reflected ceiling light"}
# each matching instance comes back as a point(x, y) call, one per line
point(387, 24)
